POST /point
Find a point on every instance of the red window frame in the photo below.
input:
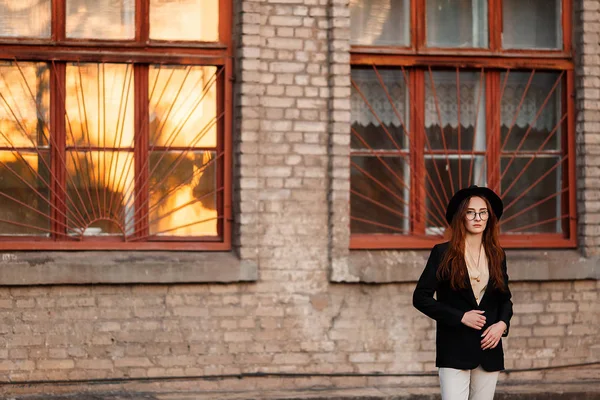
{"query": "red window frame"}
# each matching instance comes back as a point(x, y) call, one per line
point(416, 60)
point(141, 52)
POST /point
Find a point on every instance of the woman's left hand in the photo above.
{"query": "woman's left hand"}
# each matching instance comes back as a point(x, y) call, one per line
point(492, 335)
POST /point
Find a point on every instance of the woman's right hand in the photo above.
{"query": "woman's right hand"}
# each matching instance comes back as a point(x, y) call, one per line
point(474, 319)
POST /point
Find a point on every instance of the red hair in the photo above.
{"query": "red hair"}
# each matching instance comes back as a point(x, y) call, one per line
point(453, 266)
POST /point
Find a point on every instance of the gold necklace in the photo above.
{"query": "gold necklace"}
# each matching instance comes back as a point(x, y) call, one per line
point(478, 277)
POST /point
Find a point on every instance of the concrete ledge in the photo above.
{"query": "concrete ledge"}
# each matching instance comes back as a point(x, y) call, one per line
point(523, 265)
point(103, 267)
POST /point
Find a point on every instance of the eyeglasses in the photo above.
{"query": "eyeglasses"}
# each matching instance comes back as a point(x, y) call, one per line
point(483, 215)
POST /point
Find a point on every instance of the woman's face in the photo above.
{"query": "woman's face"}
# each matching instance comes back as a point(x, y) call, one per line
point(477, 216)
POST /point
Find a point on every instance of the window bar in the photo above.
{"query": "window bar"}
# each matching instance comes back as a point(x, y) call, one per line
point(413, 216)
point(85, 129)
point(60, 76)
point(479, 96)
point(514, 121)
point(492, 127)
point(53, 220)
point(15, 150)
point(536, 224)
point(558, 80)
point(117, 139)
point(437, 108)
point(148, 209)
point(133, 189)
point(399, 178)
point(379, 204)
point(173, 135)
point(391, 101)
point(366, 221)
point(216, 191)
point(553, 195)
point(54, 191)
point(177, 161)
point(534, 183)
point(538, 151)
point(389, 135)
point(419, 116)
point(138, 238)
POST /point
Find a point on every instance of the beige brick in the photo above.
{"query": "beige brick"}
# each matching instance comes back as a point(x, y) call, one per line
point(549, 331)
point(291, 359)
point(561, 307)
point(55, 364)
point(94, 364)
point(133, 362)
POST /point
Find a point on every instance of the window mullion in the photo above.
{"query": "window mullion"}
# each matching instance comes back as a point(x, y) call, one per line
point(493, 140)
point(58, 148)
point(568, 146)
point(567, 12)
point(58, 20)
point(418, 184)
point(495, 24)
point(420, 20)
point(142, 21)
point(141, 150)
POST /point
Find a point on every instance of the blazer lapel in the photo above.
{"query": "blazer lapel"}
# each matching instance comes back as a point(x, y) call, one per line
point(467, 292)
point(487, 293)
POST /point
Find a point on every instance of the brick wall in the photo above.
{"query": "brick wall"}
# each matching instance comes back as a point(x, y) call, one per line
point(587, 43)
point(291, 220)
point(297, 325)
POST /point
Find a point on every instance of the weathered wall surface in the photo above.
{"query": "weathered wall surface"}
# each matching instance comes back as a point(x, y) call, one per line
point(293, 323)
point(291, 224)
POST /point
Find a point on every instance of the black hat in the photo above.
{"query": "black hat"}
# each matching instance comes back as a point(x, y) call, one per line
point(493, 198)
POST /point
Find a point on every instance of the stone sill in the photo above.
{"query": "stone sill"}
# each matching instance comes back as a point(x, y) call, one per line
point(370, 266)
point(105, 267)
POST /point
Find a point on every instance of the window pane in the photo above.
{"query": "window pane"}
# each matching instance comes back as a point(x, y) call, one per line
point(380, 195)
point(183, 106)
point(25, 18)
point(380, 22)
point(184, 20)
point(528, 120)
point(99, 105)
point(532, 24)
point(24, 182)
point(183, 193)
point(99, 192)
point(24, 104)
point(457, 23)
point(443, 108)
point(101, 19)
point(520, 217)
point(446, 174)
point(379, 110)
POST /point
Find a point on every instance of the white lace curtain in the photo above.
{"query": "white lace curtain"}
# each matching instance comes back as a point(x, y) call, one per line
point(446, 94)
point(370, 102)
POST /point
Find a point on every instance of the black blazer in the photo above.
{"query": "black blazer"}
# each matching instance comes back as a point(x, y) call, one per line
point(457, 345)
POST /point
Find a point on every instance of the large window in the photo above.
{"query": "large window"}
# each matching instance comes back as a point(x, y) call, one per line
point(450, 93)
point(115, 124)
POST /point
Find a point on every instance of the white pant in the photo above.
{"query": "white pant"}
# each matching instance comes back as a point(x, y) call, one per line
point(476, 384)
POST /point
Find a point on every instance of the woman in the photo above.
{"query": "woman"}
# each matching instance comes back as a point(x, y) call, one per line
point(472, 306)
